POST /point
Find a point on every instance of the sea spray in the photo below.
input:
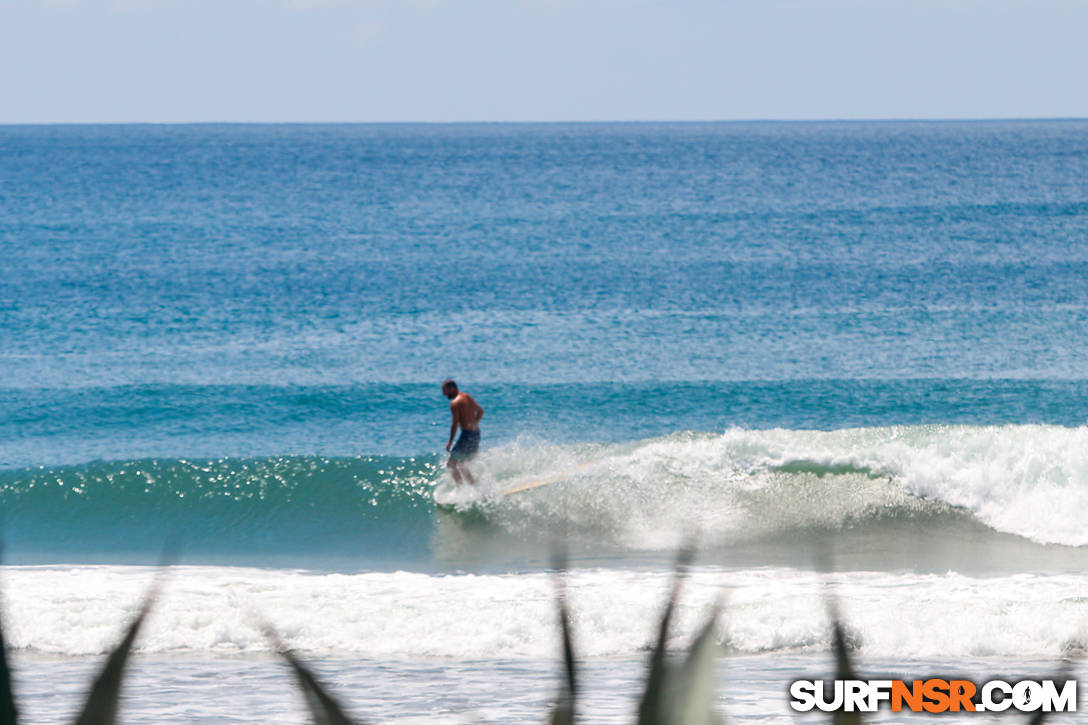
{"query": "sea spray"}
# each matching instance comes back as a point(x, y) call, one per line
point(998, 483)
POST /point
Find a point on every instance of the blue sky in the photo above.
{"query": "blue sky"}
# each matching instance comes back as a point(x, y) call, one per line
point(542, 60)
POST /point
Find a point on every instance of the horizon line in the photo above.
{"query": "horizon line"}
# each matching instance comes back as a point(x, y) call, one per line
point(570, 122)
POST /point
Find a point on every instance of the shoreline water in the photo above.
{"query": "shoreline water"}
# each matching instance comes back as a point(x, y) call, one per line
point(78, 611)
point(255, 691)
point(390, 656)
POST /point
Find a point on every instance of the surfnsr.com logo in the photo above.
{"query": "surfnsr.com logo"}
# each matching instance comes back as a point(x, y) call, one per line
point(934, 695)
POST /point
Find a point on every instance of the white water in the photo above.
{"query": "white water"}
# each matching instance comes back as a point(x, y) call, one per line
point(172, 690)
point(212, 611)
point(1029, 481)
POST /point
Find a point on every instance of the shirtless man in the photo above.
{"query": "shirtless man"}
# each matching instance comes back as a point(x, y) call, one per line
point(466, 414)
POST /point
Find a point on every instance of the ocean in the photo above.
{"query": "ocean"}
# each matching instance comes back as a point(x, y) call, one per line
point(859, 345)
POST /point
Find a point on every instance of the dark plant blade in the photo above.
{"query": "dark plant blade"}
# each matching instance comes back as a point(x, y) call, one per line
point(563, 711)
point(693, 690)
point(1061, 675)
point(101, 705)
point(8, 713)
point(323, 707)
point(651, 709)
point(844, 666)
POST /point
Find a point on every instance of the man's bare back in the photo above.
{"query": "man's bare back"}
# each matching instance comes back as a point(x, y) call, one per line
point(466, 414)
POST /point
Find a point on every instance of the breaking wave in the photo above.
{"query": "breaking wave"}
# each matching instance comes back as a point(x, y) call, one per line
point(1029, 482)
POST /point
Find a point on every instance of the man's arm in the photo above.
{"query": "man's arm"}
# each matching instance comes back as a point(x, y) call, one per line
point(479, 411)
point(453, 426)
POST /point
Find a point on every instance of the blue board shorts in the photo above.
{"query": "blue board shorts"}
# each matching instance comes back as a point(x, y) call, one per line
point(466, 446)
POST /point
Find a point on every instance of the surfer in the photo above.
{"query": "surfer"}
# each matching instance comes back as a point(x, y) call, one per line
point(466, 414)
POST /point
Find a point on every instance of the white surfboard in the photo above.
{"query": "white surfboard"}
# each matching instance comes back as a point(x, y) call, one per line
point(451, 496)
point(518, 488)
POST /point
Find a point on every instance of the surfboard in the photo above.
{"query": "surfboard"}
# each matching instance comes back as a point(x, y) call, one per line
point(545, 481)
point(448, 496)
point(531, 485)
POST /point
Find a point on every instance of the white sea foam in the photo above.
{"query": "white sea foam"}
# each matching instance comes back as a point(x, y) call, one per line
point(217, 611)
point(1026, 480)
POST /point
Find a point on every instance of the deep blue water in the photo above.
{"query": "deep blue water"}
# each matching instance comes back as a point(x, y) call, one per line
point(172, 292)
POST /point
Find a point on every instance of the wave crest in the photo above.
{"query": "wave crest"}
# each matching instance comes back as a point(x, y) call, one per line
point(1027, 481)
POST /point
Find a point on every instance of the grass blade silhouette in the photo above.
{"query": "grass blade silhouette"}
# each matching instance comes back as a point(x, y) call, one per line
point(563, 710)
point(844, 665)
point(101, 705)
point(1064, 673)
point(322, 706)
point(651, 710)
point(8, 714)
point(693, 691)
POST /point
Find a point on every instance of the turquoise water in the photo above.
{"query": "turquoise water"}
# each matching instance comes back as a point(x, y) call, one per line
point(290, 296)
point(776, 338)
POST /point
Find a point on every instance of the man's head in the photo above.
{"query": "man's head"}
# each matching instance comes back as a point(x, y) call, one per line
point(449, 388)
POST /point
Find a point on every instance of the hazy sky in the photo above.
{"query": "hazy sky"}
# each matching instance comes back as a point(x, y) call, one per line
point(493, 60)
